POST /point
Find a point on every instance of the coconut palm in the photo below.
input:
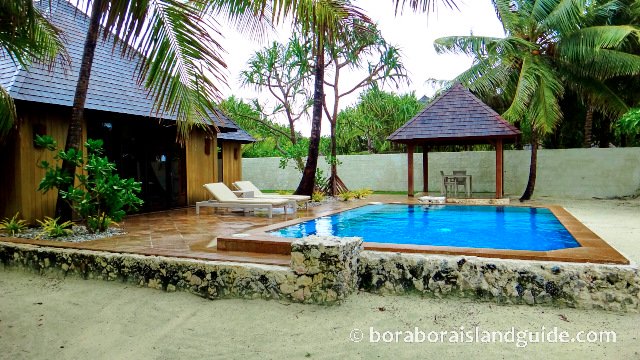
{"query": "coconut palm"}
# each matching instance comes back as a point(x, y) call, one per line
point(26, 37)
point(550, 46)
point(182, 63)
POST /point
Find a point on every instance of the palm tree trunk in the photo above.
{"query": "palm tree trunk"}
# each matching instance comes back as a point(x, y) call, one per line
point(588, 125)
point(333, 185)
point(307, 182)
point(74, 133)
point(605, 132)
point(528, 192)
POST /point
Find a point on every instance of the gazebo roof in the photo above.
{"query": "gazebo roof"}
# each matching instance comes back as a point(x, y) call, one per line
point(456, 116)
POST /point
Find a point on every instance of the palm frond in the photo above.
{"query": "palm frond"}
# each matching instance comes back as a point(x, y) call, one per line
point(27, 36)
point(506, 13)
point(7, 112)
point(486, 77)
point(598, 95)
point(480, 46)
point(605, 64)
point(544, 109)
point(565, 17)
point(524, 91)
point(423, 5)
point(597, 37)
point(180, 61)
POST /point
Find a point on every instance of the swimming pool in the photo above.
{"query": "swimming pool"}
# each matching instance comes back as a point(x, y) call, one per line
point(492, 227)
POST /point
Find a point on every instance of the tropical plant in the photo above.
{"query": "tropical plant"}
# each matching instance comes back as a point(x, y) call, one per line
point(100, 196)
point(52, 229)
point(346, 195)
point(26, 37)
point(284, 71)
point(14, 225)
point(362, 193)
point(317, 196)
point(550, 46)
point(383, 65)
point(327, 26)
point(365, 126)
point(629, 124)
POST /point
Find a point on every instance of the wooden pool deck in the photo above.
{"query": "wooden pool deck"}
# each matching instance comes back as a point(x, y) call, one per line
point(183, 234)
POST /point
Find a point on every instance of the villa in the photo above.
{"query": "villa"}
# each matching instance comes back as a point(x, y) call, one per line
point(119, 111)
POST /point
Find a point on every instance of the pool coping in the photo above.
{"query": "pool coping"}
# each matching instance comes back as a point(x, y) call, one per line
point(593, 249)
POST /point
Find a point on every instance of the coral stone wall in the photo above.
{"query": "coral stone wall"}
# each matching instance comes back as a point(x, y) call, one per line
point(587, 286)
point(326, 270)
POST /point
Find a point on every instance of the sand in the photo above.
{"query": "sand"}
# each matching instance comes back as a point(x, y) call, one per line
point(47, 318)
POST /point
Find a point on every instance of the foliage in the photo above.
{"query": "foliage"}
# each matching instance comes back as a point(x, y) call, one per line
point(365, 126)
point(26, 36)
point(362, 193)
point(317, 196)
point(321, 180)
point(52, 229)
point(101, 196)
point(284, 192)
point(551, 46)
point(14, 225)
point(629, 125)
point(347, 195)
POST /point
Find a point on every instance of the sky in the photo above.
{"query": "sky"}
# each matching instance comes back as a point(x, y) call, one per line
point(413, 33)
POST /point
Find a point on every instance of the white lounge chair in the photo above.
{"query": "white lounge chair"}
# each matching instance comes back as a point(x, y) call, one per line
point(225, 198)
point(248, 186)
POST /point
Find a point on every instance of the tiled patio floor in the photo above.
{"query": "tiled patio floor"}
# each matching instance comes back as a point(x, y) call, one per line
point(182, 233)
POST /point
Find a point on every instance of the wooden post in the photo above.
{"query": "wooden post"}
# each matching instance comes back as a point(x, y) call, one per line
point(499, 169)
point(425, 169)
point(410, 169)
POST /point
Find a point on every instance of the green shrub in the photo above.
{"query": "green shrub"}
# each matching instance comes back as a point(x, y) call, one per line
point(362, 193)
point(317, 196)
point(51, 228)
point(101, 196)
point(14, 225)
point(284, 192)
point(347, 195)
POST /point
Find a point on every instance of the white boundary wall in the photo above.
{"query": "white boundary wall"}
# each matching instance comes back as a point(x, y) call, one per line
point(571, 173)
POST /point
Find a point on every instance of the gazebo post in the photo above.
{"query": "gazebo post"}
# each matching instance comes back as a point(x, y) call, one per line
point(410, 169)
point(425, 169)
point(499, 169)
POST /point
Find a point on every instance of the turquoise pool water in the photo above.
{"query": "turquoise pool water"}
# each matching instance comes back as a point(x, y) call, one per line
point(494, 227)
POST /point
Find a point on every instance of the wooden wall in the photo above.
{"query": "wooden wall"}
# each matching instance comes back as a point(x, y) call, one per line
point(18, 158)
point(24, 175)
point(231, 163)
point(201, 167)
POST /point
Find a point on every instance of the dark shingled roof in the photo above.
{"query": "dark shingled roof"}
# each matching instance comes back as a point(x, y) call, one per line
point(455, 116)
point(113, 86)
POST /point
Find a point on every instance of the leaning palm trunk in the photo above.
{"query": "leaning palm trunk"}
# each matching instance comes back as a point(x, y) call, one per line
point(74, 134)
point(307, 183)
point(528, 192)
point(588, 125)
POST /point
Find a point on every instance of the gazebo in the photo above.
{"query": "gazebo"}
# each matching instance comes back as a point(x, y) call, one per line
point(456, 117)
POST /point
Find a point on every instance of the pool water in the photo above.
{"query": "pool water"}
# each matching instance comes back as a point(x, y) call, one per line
point(494, 227)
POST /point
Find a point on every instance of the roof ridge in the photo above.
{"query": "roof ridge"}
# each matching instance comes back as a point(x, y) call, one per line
point(456, 114)
point(428, 106)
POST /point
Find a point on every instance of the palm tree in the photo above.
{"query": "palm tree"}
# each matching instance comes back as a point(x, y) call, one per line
point(550, 46)
point(327, 26)
point(26, 37)
point(182, 62)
